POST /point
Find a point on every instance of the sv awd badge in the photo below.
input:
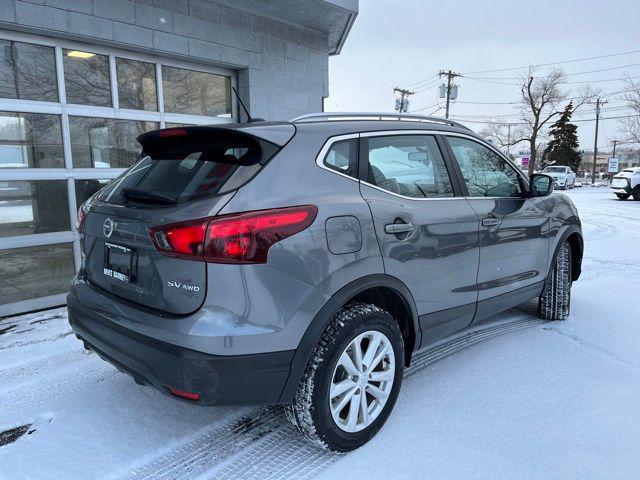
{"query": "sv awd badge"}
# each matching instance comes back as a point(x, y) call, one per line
point(183, 286)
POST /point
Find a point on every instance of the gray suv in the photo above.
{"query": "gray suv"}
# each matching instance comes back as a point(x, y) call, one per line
point(303, 263)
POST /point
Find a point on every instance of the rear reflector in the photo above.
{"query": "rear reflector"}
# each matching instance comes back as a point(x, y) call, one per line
point(237, 238)
point(183, 394)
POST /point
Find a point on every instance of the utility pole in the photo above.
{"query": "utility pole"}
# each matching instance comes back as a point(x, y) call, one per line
point(615, 142)
point(450, 75)
point(599, 102)
point(403, 105)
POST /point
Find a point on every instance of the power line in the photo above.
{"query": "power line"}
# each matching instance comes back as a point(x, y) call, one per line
point(554, 63)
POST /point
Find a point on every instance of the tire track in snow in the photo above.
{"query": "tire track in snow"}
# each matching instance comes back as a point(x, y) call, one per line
point(62, 383)
point(269, 447)
point(221, 442)
point(42, 365)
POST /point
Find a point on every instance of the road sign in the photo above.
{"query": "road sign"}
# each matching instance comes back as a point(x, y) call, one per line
point(613, 165)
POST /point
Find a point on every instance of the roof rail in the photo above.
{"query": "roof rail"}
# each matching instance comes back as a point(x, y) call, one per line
point(363, 116)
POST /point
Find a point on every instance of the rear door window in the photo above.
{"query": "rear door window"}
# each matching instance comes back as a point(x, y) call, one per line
point(409, 165)
point(180, 168)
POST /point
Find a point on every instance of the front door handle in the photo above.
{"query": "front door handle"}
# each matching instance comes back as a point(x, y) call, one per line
point(491, 221)
point(396, 228)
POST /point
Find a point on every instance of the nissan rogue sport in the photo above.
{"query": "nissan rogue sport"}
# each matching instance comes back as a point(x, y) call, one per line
point(303, 263)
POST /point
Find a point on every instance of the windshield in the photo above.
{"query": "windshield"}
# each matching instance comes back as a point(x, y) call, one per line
point(555, 170)
point(175, 170)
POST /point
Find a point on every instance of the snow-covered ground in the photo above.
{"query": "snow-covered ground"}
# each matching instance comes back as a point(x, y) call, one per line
point(514, 398)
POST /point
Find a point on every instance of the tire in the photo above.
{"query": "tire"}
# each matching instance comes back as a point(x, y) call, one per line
point(636, 193)
point(622, 196)
point(555, 301)
point(311, 411)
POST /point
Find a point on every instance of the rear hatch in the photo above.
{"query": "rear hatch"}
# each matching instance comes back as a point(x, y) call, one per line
point(183, 175)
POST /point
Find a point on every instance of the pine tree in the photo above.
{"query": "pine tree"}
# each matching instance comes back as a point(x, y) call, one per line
point(563, 147)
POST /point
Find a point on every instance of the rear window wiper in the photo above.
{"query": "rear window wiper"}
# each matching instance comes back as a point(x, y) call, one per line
point(145, 196)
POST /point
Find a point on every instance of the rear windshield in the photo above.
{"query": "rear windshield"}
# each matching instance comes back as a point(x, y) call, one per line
point(176, 169)
point(555, 169)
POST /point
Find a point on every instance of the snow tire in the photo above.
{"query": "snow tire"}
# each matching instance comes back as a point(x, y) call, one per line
point(310, 412)
point(555, 301)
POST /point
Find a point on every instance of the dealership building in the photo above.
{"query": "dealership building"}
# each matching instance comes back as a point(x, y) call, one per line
point(81, 79)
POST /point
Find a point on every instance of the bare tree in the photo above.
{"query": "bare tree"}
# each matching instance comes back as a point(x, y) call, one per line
point(540, 98)
point(631, 125)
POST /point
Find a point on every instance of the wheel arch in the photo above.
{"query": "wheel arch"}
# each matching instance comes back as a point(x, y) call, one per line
point(382, 290)
point(573, 235)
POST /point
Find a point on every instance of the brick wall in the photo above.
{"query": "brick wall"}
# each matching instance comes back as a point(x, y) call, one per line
point(282, 70)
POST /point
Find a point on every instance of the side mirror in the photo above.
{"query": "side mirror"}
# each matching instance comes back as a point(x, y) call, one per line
point(540, 185)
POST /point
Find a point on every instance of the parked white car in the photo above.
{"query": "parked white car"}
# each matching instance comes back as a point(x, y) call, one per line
point(563, 176)
point(627, 183)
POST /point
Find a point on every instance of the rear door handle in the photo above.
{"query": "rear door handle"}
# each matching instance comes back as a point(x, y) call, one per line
point(395, 228)
point(491, 221)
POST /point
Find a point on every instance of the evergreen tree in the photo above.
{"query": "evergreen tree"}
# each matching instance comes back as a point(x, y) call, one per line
point(563, 147)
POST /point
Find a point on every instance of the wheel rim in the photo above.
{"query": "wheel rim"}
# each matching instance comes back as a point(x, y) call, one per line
point(362, 381)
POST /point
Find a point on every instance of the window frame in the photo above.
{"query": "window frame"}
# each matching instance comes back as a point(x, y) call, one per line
point(64, 110)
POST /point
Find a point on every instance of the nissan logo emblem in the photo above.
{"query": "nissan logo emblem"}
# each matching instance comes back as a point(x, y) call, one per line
point(108, 227)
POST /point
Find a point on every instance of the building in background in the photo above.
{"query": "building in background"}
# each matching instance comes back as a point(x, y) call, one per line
point(81, 79)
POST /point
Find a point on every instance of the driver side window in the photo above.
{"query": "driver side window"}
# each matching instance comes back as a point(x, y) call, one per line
point(486, 174)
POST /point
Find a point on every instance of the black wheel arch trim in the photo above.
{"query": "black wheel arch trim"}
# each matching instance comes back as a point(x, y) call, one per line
point(320, 322)
point(576, 267)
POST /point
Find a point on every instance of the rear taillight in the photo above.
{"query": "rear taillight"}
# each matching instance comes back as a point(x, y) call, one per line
point(82, 216)
point(237, 238)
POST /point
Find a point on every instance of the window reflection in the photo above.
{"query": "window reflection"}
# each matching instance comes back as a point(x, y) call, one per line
point(106, 143)
point(136, 84)
point(30, 140)
point(27, 72)
point(28, 207)
point(34, 272)
point(86, 78)
point(196, 93)
point(86, 188)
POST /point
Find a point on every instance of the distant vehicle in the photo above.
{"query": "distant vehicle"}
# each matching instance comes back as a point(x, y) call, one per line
point(563, 175)
point(627, 183)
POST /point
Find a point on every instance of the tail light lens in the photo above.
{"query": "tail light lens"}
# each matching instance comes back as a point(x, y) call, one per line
point(82, 216)
point(237, 238)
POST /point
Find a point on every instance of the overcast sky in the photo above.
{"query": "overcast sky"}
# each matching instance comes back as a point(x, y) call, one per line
point(402, 42)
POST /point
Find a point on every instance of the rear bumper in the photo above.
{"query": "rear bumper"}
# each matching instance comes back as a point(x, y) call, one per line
point(620, 190)
point(219, 379)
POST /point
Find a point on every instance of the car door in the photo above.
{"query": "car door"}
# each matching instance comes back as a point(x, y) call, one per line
point(427, 232)
point(514, 228)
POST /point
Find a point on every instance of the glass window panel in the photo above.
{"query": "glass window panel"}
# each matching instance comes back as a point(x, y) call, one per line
point(196, 93)
point(34, 272)
point(343, 157)
point(136, 84)
point(485, 173)
point(39, 206)
point(86, 188)
point(106, 143)
point(410, 165)
point(86, 78)
point(27, 71)
point(30, 140)
point(177, 125)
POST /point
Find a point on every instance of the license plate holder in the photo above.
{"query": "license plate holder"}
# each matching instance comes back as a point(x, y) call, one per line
point(119, 262)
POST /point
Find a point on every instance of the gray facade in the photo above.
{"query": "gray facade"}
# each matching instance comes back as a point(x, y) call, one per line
point(279, 49)
point(81, 79)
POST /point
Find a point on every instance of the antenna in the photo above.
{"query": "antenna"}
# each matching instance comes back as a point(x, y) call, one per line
point(249, 118)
